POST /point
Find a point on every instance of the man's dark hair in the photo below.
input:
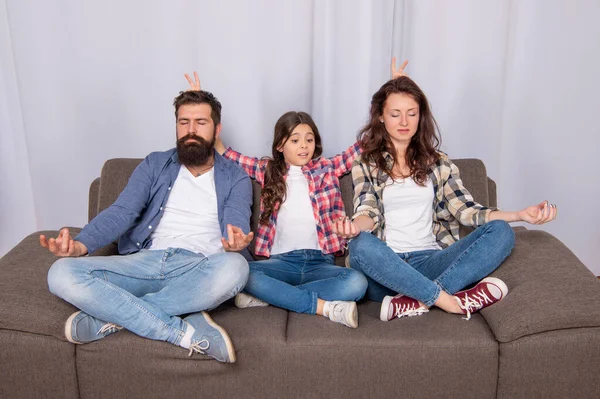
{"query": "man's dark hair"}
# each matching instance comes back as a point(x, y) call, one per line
point(199, 97)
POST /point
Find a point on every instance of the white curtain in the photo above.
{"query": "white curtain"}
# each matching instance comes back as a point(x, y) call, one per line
point(513, 83)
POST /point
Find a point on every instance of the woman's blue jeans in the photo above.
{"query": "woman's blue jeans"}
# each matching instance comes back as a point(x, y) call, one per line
point(145, 291)
point(423, 274)
point(294, 280)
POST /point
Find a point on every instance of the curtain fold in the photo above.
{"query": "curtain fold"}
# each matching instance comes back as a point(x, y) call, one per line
point(17, 211)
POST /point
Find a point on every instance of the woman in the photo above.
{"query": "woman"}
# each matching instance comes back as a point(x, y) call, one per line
point(408, 203)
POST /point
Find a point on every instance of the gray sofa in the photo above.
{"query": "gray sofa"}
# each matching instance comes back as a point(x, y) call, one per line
point(542, 341)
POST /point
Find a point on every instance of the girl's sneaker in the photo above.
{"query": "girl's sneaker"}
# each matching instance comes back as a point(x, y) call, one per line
point(487, 292)
point(248, 301)
point(344, 312)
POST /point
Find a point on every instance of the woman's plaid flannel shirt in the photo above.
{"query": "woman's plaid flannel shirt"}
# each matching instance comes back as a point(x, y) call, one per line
point(325, 196)
point(453, 205)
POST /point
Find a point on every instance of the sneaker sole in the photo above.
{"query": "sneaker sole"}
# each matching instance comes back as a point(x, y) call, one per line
point(68, 330)
point(228, 343)
point(353, 323)
point(498, 283)
point(385, 305)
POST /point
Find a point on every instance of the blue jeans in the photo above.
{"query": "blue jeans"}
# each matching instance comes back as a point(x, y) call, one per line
point(145, 291)
point(294, 280)
point(423, 274)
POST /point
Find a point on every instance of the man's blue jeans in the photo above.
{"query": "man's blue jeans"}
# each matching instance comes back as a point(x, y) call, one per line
point(423, 274)
point(294, 280)
point(145, 291)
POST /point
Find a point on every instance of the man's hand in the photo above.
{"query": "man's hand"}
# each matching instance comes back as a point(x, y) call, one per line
point(538, 214)
point(236, 240)
point(219, 146)
point(396, 73)
point(63, 245)
point(194, 84)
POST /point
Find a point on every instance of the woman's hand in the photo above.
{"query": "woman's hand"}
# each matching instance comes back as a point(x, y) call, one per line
point(194, 84)
point(396, 73)
point(538, 214)
point(345, 228)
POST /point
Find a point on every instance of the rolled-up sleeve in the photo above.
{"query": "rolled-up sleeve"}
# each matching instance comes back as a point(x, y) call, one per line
point(365, 198)
point(461, 203)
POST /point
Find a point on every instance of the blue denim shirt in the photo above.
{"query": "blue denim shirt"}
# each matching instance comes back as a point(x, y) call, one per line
point(138, 210)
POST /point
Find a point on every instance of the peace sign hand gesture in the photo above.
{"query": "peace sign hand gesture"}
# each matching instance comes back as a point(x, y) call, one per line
point(396, 73)
point(194, 84)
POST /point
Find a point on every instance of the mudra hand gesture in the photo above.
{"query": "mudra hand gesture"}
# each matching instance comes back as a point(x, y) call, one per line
point(541, 213)
point(236, 239)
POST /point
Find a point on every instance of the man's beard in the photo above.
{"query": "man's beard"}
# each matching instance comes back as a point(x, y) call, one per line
point(195, 153)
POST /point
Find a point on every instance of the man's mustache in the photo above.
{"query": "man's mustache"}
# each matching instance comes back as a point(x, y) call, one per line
point(195, 138)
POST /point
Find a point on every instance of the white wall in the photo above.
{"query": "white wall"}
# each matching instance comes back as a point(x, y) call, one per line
point(511, 82)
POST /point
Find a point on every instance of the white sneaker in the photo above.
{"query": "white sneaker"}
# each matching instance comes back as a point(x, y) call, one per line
point(248, 301)
point(344, 312)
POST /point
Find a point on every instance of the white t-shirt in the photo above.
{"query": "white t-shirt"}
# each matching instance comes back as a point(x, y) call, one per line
point(408, 211)
point(296, 227)
point(190, 220)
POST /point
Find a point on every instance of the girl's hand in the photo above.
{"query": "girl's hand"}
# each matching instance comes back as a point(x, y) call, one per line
point(194, 84)
point(345, 228)
point(538, 214)
point(396, 73)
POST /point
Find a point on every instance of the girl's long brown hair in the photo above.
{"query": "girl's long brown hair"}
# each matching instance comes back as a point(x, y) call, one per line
point(274, 188)
point(422, 151)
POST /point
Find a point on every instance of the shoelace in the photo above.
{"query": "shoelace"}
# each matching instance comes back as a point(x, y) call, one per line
point(109, 327)
point(474, 303)
point(409, 310)
point(197, 347)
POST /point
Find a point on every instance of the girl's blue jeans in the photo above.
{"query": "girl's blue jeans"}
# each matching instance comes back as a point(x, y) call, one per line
point(295, 280)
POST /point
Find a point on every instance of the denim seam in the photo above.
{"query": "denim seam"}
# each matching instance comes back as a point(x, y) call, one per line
point(429, 303)
point(314, 302)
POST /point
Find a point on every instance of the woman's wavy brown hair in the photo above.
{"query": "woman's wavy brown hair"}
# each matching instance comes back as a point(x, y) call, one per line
point(274, 187)
point(422, 151)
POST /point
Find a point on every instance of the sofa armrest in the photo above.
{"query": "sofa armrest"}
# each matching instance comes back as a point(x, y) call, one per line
point(549, 289)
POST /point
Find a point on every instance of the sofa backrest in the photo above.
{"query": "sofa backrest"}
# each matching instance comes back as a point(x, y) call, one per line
point(116, 172)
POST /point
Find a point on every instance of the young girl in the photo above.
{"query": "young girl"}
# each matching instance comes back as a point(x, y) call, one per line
point(408, 203)
point(300, 202)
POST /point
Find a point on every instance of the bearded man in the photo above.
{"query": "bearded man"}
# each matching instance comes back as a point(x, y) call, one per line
point(170, 222)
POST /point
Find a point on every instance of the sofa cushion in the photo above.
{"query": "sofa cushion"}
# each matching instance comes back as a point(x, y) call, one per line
point(144, 368)
point(396, 356)
point(36, 366)
point(552, 365)
point(549, 289)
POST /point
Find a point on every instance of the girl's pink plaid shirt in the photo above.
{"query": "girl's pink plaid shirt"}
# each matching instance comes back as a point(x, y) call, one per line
point(322, 175)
